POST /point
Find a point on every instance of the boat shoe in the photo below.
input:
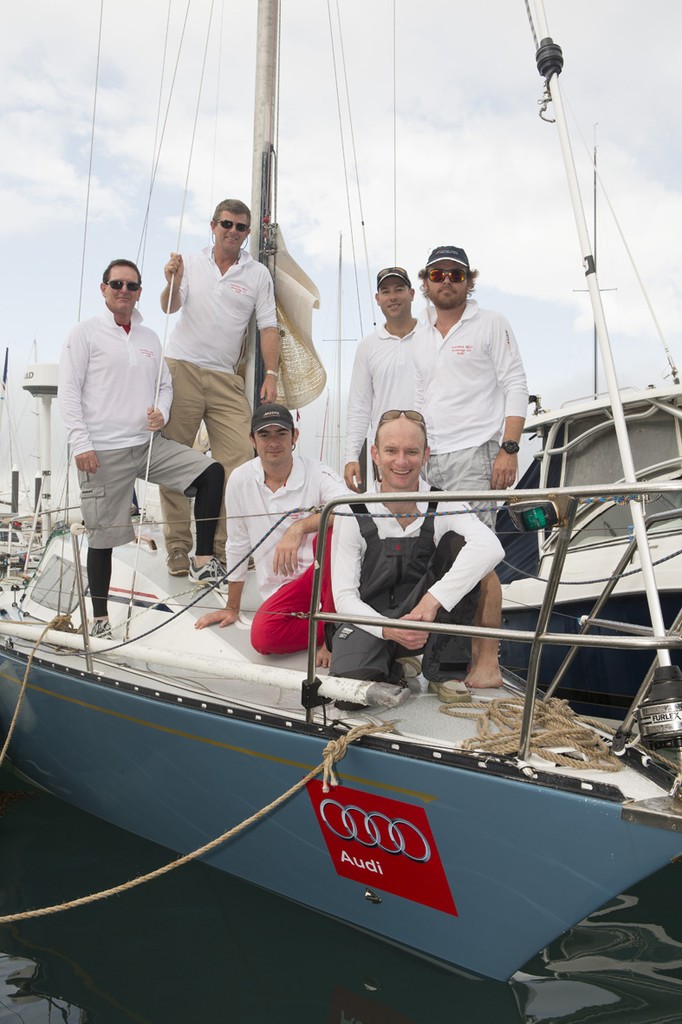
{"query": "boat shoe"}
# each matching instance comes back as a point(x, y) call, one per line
point(452, 691)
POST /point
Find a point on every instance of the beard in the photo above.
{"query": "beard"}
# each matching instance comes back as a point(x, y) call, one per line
point(448, 300)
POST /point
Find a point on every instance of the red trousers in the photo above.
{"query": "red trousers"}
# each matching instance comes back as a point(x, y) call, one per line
point(274, 629)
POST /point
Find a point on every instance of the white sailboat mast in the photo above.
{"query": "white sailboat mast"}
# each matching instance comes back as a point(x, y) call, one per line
point(263, 182)
point(550, 62)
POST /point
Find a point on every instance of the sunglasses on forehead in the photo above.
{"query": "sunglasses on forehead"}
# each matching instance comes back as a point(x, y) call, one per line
point(130, 286)
point(237, 225)
point(395, 414)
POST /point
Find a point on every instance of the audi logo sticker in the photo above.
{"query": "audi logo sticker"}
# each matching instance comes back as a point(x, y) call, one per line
point(374, 829)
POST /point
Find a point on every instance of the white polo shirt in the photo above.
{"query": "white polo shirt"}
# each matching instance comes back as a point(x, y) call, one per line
point(382, 378)
point(253, 509)
point(469, 381)
point(107, 380)
point(216, 309)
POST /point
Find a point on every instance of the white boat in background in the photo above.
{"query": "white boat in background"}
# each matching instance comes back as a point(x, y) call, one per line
point(579, 446)
point(443, 836)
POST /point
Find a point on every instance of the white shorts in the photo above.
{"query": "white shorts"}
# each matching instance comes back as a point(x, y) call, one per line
point(468, 469)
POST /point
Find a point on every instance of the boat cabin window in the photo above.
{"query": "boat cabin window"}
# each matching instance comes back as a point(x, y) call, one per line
point(616, 521)
point(55, 587)
point(596, 460)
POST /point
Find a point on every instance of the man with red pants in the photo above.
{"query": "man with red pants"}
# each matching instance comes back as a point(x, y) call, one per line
point(259, 494)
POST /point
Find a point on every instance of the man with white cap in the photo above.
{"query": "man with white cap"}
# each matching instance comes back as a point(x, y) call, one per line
point(383, 370)
point(471, 387)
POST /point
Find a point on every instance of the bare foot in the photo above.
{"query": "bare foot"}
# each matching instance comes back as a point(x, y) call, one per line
point(323, 657)
point(482, 678)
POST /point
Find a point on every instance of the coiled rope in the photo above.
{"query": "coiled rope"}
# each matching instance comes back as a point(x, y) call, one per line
point(498, 728)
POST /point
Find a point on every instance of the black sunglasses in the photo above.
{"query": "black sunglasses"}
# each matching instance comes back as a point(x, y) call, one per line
point(130, 286)
point(227, 224)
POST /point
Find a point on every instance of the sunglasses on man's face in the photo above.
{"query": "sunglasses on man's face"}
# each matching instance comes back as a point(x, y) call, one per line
point(130, 286)
point(438, 275)
point(237, 225)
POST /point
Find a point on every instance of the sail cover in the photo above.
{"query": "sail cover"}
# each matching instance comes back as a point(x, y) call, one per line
point(302, 376)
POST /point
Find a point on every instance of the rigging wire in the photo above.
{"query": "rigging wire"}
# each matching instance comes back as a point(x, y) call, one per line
point(395, 151)
point(143, 509)
point(593, 162)
point(92, 149)
point(356, 169)
point(592, 158)
point(152, 172)
point(165, 124)
point(217, 102)
point(343, 158)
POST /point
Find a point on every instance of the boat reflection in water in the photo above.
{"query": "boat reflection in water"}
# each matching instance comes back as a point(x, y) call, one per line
point(195, 944)
point(200, 945)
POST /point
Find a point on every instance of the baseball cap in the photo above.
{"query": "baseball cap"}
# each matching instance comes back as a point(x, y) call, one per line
point(393, 272)
point(449, 252)
point(269, 413)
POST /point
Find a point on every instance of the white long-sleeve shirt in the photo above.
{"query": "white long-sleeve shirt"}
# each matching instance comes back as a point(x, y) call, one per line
point(107, 381)
point(382, 378)
point(253, 509)
point(478, 557)
point(216, 309)
point(469, 381)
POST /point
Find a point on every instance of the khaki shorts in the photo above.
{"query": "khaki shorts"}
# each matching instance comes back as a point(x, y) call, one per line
point(470, 469)
point(106, 496)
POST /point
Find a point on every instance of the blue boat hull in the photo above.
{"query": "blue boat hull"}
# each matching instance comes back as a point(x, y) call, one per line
point(522, 859)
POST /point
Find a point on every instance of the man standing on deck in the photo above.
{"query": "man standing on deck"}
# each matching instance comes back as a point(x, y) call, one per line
point(108, 377)
point(259, 494)
point(383, 370)
point(471, 387)
point(218, 289)
point(408, 565)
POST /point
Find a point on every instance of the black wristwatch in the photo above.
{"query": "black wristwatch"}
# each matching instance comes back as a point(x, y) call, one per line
point(510, 447)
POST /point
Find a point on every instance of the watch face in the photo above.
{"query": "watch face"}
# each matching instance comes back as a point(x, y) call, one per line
point(511, 447)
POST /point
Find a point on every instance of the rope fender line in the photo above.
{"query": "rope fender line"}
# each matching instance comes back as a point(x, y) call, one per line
point(334, 751)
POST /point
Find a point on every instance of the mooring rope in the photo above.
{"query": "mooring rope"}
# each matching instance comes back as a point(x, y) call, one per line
point(333, 752)
point(61, 622)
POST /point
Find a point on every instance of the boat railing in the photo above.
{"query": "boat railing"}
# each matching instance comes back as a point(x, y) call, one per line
point(591, 619)
point(566, 501)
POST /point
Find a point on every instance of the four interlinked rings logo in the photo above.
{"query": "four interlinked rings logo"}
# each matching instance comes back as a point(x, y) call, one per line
point(373, 829)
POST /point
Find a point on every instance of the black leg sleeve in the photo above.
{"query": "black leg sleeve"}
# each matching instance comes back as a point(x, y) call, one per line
point(208, 505)
point(99, 578)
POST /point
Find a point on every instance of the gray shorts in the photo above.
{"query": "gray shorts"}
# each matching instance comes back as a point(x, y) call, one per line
point(106, 495)
point(468, 469)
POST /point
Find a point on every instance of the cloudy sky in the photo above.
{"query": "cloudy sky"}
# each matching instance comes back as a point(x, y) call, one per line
point(453, 84)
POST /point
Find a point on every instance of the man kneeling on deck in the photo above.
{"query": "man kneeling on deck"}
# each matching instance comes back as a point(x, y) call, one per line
point(409, 566)
point(258, 494)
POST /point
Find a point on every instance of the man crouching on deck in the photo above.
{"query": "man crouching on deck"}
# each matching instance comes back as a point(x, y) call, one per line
point(407, 565)
point(258, 493)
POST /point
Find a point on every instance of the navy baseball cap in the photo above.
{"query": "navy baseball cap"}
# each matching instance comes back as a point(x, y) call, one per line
point(271, 412)
point(449, 252)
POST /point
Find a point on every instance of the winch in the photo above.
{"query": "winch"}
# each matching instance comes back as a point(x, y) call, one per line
point(660, 714)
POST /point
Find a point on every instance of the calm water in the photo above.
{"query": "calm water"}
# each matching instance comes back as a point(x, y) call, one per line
point(199, 946)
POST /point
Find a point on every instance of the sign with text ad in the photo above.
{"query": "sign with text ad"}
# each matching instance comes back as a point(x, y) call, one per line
point(382, 843)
